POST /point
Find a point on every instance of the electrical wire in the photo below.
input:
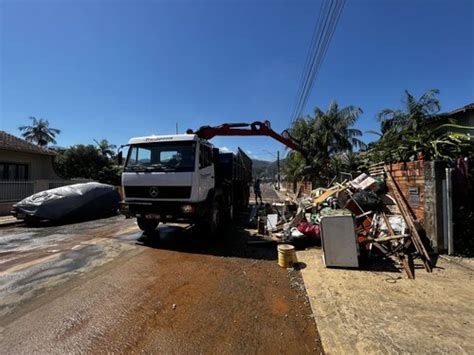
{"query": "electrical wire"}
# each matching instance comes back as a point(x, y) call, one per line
point(319, 61)
point(327, 30)
point(309, 55)
point(317, 54)
point(325, 26)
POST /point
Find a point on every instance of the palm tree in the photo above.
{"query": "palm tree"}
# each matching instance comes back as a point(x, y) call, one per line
point(333, 128)
point(39, 132)
point(325, 135)
point(105, 148)
point(293, 168)
point(405, 132)
point(416, 115)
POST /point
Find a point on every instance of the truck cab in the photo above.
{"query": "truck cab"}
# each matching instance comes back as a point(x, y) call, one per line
point(175, 178)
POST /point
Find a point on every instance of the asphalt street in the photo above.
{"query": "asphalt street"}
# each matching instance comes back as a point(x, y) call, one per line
point(94, 287)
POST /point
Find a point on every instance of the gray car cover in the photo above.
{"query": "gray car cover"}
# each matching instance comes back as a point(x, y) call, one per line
point(73, 202)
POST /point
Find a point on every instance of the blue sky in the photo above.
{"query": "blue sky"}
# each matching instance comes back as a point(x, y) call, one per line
point(117, 69)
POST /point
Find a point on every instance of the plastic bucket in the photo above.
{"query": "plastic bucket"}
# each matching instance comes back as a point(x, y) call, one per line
point(286, 255)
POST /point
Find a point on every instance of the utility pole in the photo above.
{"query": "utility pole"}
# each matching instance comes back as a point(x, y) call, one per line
point(278, 185)
point(176, 127)
point(278, 168)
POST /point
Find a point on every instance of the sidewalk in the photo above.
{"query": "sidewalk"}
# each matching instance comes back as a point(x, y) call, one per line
point(8, 220)
point(282, 194)
point(381, 311)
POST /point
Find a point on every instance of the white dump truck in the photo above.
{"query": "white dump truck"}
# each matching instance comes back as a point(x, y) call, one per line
point(182, 178)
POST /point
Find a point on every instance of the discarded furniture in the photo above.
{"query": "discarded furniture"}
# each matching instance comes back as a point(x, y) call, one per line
point(338, 240)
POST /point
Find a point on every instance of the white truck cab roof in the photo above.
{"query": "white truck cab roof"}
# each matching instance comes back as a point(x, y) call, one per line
point(164, 138)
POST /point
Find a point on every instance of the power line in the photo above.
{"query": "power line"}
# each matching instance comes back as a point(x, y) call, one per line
point(315, 59)
point(323, 31)
point(329, 28)
point(325, 26)
point(309, 56)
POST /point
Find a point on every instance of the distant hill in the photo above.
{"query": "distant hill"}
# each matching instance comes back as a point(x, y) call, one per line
point(260, 167)
point(265, 169)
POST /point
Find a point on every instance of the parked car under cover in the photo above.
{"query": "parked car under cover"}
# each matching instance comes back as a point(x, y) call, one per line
point(70, 203)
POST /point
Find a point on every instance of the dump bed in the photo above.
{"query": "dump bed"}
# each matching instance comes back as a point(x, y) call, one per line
point(234, 173)
point(234, 167)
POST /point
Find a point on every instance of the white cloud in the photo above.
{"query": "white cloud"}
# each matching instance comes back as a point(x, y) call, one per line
point(225, 150)
point(249, 153)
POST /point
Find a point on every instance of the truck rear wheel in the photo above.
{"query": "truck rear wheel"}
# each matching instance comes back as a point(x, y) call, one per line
point(147, 225)
point(229, 214)
point(214, 220)
point(208, 227)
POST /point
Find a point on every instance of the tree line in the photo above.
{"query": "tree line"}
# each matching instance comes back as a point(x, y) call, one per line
point(333, 145)
point(87, 161)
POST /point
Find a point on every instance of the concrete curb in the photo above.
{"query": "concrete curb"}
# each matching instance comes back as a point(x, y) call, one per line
point(282, 195)
point(8, 221)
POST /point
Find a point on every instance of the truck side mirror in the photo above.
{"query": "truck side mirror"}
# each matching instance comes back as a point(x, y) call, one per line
point(120, 158)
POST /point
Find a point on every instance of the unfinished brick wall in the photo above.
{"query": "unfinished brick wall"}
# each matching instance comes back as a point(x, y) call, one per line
point(410, 178)
point(287, 185)
point(306, 186)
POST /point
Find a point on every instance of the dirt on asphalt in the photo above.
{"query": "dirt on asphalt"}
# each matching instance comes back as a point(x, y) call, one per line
point(92, 287)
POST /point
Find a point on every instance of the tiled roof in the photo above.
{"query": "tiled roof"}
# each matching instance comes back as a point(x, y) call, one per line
point(458, 110)
point(465, 108)
point(10, 142)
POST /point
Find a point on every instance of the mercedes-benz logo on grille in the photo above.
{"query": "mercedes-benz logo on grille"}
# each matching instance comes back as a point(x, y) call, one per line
point(154, 191)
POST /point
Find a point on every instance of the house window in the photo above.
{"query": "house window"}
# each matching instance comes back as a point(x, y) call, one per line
point(13, 171)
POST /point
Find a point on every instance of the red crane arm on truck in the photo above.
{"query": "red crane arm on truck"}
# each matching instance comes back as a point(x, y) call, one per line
point(245, 129)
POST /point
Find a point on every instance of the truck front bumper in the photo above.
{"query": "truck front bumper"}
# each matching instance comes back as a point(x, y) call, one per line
point(164, 211)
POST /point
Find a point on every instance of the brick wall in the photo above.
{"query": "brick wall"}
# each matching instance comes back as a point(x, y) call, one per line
point(306, 186)
point(287, 185)
point(410, 178)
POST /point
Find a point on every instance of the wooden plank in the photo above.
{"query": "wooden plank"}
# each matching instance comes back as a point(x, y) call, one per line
point(407, 264)
point(407, 216)
point(387, 223)
point(404, 258)
point(386, 239)
point(328, 193)
point(380, 247)
point(365, 214)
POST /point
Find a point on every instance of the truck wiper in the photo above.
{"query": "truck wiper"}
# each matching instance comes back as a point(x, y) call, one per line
point(159, 166)
point(137, 168)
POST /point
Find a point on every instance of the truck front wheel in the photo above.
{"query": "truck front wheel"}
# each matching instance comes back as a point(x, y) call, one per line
point(147, 225)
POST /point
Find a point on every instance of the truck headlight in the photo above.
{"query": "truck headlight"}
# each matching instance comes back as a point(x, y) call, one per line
point(187, 208)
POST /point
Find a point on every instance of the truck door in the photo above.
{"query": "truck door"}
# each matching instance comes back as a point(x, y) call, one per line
point(206, 171)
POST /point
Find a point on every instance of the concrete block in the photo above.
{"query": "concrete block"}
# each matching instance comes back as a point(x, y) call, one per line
point(434, 173)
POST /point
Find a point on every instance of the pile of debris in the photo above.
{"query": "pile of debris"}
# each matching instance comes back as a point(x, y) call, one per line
point(355, 221)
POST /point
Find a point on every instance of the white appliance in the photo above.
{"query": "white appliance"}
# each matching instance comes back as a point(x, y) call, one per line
point(338, 240)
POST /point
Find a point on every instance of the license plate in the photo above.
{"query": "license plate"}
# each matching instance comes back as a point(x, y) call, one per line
point(152, 216)
point(20, 215)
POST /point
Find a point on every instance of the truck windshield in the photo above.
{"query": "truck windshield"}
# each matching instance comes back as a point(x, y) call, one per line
point(163, 156)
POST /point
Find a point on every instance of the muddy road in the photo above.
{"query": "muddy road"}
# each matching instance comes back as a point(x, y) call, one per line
point(94, 287)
